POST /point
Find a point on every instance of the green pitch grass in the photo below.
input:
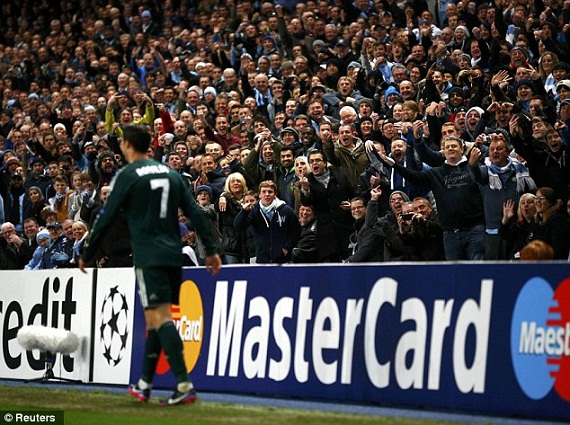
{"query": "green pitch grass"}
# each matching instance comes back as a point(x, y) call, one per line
point(99, 407)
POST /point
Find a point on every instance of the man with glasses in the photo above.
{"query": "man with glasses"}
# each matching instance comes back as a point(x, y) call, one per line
point(14, 253)
point(329, 191)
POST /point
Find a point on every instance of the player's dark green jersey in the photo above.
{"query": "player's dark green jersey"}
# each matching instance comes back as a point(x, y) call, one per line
point(150, 194)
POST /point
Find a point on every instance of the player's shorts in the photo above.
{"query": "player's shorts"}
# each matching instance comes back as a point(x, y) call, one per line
point(158, 285)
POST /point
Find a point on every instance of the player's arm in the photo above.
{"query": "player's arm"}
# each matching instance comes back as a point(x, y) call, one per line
point(102, 222)
point(194, 212)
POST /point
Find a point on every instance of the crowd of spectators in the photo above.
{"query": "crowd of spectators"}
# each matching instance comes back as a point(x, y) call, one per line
point(309, 131)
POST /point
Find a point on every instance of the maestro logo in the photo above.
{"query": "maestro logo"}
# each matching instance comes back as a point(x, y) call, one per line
point(189, 320)
point(540, 339)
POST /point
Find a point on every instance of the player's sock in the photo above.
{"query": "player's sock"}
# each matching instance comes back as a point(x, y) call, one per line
point(172, 345)
point(184, 387)
point(151, 355)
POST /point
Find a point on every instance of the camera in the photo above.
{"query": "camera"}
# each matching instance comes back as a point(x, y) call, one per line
point(407, 216)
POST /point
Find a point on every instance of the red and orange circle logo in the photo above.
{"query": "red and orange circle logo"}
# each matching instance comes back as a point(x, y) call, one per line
point(188, 318)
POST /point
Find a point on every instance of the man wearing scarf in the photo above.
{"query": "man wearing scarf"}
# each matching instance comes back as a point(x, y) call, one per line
point(329, 191)
point(502, 178)
point(275, 226)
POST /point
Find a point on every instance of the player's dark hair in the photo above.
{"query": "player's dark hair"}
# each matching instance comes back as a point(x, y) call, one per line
point(139, 137)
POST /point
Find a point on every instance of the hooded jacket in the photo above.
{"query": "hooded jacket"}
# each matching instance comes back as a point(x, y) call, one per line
point(471, 135)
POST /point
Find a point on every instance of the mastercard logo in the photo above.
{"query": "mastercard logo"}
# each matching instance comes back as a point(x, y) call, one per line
point(188, 318)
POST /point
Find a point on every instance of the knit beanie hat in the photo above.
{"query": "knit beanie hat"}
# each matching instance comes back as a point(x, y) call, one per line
point(391, 90)
point(525, 53)
point(402, 194)
point(291, 130)
point(42, 234)
point(204, 188)
point(183, 229)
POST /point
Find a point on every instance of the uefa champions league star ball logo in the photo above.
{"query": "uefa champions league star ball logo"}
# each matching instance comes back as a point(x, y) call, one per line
point(114, 326)
point(540, 339)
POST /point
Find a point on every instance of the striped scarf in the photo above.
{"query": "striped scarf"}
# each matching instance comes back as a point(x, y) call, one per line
point(525, 183)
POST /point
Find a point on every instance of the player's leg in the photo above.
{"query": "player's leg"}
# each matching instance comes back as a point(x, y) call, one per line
point(153, 348)
point(159, 317)
point(141, 389)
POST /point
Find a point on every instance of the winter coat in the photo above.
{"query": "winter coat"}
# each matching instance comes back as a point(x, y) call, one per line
point(58, 253)
point(335, 224)
point(556, 233)
point(350, 162)
point(271, 235)
point(306, 249)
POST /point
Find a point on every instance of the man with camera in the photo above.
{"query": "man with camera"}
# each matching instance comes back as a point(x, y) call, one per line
point(385, 228)
point(421, 231)
point(366, 243)
point(394, 247)
point(458, 199)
